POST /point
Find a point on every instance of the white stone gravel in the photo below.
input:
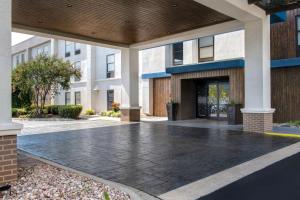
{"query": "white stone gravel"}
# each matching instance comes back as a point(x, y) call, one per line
point(47, 182)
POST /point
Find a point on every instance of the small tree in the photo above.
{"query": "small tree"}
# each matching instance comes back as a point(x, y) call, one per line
point(44, 76)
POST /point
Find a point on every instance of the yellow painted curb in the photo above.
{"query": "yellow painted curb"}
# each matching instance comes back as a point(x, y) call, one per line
point(283, 134)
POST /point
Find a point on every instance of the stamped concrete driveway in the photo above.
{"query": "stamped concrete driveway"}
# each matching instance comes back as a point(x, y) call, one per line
point(154, 158)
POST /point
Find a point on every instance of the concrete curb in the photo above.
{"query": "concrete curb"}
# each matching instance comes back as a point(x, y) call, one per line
point(219, 180)
point(133, 193)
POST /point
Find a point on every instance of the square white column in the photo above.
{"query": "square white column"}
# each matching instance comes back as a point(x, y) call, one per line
point(8, 130)
point(130, 109)
point(5, 61)
point(257, 112)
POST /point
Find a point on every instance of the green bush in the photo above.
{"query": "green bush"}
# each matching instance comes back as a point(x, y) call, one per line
point(22, 111)
point(90, 112)
point(14, 112)
point(295, 123)
point(53, 109)
point(70, 111)
point(111, 113)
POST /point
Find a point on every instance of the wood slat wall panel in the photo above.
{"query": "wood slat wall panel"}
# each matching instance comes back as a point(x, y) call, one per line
point(236, 79)
point(283, 37)
point(161, 95)
point(286, 94)
point(285, 84)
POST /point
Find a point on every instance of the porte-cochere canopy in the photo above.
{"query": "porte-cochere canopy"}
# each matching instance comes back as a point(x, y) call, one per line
point(116, 21)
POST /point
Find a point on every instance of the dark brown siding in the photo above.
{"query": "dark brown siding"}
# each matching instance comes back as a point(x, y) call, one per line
point(283, 37)
point(286, 94)
point(161, 95)
point(236, 79)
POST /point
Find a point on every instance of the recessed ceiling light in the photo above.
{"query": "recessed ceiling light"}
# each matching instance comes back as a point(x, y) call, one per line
point(69, 5)
point(174, 5)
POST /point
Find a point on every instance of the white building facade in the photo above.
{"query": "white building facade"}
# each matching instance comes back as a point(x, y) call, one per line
point(101, 68)
point(100, 84)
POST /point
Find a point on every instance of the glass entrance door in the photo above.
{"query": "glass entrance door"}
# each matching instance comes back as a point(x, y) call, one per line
point(212, 99)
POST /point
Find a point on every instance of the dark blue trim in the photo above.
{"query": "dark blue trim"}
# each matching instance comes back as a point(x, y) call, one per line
point(290, 62)
point(237, 63)
point(227, 64)
point(278, 17)
point(155, 75)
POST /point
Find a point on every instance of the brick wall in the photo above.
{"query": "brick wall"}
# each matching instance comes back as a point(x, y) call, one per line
point(8, 159)
point(258, 122)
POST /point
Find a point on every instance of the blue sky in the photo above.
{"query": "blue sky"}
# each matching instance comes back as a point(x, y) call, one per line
point(18, 37)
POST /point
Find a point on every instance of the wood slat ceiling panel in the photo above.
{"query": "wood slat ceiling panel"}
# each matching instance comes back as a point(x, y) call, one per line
point(119, 21)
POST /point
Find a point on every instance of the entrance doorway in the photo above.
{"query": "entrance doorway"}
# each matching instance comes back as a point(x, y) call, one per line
point(212, 98)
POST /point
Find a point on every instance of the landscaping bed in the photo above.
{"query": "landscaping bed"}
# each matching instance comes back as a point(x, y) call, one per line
point(37, 180)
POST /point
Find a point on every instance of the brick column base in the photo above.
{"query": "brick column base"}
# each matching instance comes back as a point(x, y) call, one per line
point(258, 122)
point(8, 159)
point(131, 114)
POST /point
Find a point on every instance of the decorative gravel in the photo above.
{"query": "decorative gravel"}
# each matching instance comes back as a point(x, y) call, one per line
point(43, 181)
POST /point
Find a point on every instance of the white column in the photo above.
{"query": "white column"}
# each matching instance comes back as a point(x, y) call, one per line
point(130, 78)
point(5, 68)
point(91, 76)
point(130, 84)
point(5, 61)
point(54, 47)
point(257, 69)
point(257, 114)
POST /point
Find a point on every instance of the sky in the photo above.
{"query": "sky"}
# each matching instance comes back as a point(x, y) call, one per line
point(18, 37)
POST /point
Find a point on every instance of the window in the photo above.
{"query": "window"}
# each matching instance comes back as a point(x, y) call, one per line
point(298, 34)
point(18, 59)
point(178, 54)
point(77, 98)
point(77, 65)
point(206, 49)
point(46, 50)
point(22, 58)
point(110, 99)
point(40, 51)
point(68, 49)
point(67, 98)
point(110, 66)
point(77, 49)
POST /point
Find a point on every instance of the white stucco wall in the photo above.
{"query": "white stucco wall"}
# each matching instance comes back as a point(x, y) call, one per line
point(101, 54)
point(230, 45)
point(152, 60)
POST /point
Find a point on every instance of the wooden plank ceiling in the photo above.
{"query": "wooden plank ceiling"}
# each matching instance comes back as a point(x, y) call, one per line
point(117, 21)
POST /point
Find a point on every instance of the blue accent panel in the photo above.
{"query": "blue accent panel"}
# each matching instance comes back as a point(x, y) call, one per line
point(156, 75)
point(278, 17)
point(227, 64)
point(237, 63)
point(290, 62)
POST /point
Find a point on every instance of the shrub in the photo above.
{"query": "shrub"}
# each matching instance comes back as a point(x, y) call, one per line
point(111, 113)
point(14, 112)
point(115, 107)
point(90, 112)
point(70, 111)
point(295, 123)
point(103, 114)
point(116, 114)
point(52, 109)
point(22, 111)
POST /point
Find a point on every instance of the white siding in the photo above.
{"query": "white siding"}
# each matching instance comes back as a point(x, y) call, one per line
point(230, 45)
